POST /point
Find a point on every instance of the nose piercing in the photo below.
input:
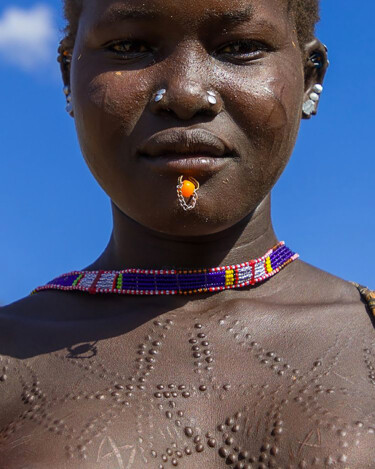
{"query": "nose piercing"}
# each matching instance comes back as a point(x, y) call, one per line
point(187, 192)
point(211, 97)
point(160, 95)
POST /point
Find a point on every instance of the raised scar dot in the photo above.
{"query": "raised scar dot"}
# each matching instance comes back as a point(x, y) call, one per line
point(189, 432)
point(229, 441)
point(223, 452)
point(211, 442)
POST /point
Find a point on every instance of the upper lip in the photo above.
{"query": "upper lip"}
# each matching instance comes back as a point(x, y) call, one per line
point(185, 142)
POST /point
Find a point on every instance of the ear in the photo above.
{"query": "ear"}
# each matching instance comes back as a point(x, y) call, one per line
point(316, 65)
point(64, 58)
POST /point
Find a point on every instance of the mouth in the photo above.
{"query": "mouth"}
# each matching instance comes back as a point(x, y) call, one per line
point(190, 152)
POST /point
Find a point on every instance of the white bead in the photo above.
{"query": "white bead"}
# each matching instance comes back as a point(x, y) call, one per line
point(158, 98)
point(308, 107)
point(69, 108)
point(212, 100)
point(314, 97)
point(318, 88)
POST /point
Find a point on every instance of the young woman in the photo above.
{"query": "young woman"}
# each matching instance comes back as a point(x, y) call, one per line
point(197, 339)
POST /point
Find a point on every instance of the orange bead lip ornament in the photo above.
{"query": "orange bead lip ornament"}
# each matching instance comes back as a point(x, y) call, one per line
point(187, 192)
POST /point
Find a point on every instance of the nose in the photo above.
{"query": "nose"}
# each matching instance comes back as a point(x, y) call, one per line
point(185, 93)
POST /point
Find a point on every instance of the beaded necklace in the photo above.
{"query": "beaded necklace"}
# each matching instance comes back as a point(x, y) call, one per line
point(176, 282)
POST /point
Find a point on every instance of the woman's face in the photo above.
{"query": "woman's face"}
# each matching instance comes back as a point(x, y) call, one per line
point(244, 51)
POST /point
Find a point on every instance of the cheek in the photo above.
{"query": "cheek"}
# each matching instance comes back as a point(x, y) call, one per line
point(265, 102)
point(267, 106)
point(107, 108)
point(108, 105)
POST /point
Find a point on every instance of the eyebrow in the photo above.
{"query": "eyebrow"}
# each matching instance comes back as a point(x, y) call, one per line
point(231, 18)
point(115, 15)
point(234, 17)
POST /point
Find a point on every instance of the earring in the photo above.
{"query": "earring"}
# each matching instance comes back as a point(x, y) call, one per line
point(160, 95)
point(211, 97)
point(310, 105)
point(66, 57)
point(317, 60)
point(68, 95)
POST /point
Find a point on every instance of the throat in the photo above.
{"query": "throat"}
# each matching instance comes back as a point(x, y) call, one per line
point(134, 246)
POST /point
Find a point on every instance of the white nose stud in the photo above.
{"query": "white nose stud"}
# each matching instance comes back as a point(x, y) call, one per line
point(160, 95)
point(211, 97)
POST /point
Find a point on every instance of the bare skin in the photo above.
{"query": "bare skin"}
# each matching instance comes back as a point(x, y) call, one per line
point(277, 376)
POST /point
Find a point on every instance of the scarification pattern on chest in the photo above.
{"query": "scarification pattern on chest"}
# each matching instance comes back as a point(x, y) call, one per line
point(293, 417)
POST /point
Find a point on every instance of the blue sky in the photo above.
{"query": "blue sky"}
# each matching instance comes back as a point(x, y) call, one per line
point(54, 217)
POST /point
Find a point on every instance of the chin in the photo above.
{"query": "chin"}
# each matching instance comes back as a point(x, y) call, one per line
point(203, 220)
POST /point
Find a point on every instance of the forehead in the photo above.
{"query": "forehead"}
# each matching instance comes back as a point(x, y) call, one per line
point(185, 11)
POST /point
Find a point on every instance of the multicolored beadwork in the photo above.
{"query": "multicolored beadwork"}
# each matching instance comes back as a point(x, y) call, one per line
point(368, 296)
point(176, 282)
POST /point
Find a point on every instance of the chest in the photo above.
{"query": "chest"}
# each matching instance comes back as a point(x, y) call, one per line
point(194, 396)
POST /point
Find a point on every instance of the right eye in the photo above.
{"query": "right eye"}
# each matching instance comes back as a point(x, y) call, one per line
point(129, 49)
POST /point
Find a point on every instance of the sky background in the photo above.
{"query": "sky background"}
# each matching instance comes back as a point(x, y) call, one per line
point(54, 218)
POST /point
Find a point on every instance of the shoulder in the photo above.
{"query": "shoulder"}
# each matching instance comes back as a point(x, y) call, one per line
point(17, 321)
point(312, 284)
point(32, 306)
point(304, 291)
point(333, 301)
point(28, 324)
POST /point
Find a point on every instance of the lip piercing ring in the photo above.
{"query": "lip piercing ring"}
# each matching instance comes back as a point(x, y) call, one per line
point(211, 97)
point(187, 192)
point(160, 95)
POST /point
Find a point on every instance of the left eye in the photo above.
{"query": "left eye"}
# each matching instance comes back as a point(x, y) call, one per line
point(243, 49)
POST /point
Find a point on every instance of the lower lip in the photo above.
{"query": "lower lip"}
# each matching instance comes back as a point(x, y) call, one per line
point(188, 165)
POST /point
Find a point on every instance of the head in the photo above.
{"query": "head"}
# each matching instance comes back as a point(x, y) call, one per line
point(259, 59)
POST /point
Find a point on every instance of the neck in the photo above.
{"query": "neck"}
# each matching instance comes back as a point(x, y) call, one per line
point(134, 246)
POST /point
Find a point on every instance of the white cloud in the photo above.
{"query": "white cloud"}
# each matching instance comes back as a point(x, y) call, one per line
point(27, 37)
